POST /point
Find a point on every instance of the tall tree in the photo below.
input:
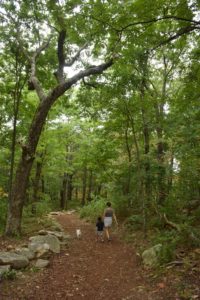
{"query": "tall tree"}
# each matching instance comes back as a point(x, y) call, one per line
point(46, 99)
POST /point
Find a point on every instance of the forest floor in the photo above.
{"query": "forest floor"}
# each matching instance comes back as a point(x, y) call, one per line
point(92, 270)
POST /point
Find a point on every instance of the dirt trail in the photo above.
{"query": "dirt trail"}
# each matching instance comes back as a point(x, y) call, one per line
point(87, 270)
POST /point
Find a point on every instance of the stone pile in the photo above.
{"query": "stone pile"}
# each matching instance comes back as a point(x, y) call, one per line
point(36, 253)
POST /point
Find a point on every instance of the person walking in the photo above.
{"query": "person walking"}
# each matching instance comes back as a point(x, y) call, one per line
point(108, 216)
point(99, 227)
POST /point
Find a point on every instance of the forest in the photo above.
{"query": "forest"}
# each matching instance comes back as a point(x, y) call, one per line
point(100, 101)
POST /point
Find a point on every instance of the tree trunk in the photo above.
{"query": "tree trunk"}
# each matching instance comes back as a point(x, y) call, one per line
point(69, 188)
point(147, 181)
point(130, 121)
point(90, 185)
point(171, 170)
point(159, 129)
point(128, 148)
point(37, 181)
point(161, 167)
point(84, 186)
point(38, 173)
point(18, 193)
point(43, 184)
point(76, 193)
point(69, 160)
point(63, 193)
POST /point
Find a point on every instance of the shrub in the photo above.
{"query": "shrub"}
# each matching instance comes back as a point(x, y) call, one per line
point(169, 240)
point(9, 275)
point(134, 222)
point(42, 207)
point(94, 209)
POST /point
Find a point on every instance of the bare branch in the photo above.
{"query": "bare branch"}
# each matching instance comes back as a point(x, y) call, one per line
point(72, 61)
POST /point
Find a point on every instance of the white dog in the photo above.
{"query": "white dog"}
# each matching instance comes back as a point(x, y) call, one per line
point(78, 233)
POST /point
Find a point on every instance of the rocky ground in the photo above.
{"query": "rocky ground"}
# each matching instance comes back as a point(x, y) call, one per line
point(92, 270)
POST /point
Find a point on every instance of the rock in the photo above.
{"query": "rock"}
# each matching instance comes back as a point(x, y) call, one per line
point(40, 250)
point(9, 247)
point(20, 275)
point(57, 227)
point(51, 240)
point(55, 213)
point(43, 251)
point(70, 212)
point(43, 232)
point(66, 237)
point(59, 235)
point(41, 263)
point(25, 252)
point(16, 261)
point(4, 269)
point(151, 256)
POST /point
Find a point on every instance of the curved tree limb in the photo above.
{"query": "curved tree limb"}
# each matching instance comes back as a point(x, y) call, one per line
point(61, 88)
point(154, 20)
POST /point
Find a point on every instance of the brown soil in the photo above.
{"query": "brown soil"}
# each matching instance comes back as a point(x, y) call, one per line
point(90, 270)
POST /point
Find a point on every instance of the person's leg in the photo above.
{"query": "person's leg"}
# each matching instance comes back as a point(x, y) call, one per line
point(107, 233)
point(109, 239)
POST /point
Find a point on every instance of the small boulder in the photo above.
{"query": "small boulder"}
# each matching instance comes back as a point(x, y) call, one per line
point(41, 263)
point(57, 227)
point(52, 241)
point(40, 250)
point(43, 251)
point(55, 213)
point(151, 256)
point(43, 232)
point(59, 235)
point(16, 261)
point(65, 240)
point(25, 252)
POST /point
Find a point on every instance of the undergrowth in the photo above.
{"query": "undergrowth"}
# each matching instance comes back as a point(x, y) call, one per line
point(9, 275)
point(94, 209)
